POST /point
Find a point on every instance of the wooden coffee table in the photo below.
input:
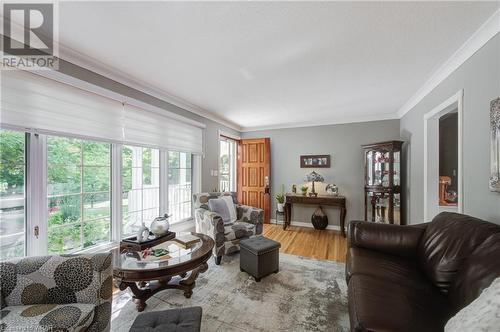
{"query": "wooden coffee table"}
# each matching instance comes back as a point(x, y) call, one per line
point(146, 278)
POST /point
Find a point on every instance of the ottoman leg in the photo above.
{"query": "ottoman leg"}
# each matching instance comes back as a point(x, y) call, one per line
point(218, 259)
point(257, 279)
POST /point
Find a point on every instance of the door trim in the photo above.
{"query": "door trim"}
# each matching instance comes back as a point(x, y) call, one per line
point(433, 116)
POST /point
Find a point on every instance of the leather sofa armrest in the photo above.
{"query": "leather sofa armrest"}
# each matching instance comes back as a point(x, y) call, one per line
point(390, 239)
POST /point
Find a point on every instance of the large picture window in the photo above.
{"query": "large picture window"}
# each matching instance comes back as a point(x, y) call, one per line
point(179, 185)
point(78, 194)
point(227, 164)
point(12, 194)
point(140, 187)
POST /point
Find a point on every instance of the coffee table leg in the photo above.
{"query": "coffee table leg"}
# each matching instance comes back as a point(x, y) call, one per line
point(189, 283)
point(140, 295)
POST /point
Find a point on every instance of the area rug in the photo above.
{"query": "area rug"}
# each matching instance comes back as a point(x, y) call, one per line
point(306, 295)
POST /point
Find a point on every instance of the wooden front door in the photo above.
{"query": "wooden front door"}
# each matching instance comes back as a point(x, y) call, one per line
point(254, 174)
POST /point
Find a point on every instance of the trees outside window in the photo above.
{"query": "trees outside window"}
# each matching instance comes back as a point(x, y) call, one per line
point(12, 193)
point(78, 193)
point(179, 185)
point(140, 187)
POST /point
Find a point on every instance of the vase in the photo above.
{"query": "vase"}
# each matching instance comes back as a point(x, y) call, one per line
point(280, 206)
point(319, 219)
point(160, 225)
point(142, 233)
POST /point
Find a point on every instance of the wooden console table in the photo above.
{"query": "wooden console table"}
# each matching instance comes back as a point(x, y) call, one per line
point(335, 201)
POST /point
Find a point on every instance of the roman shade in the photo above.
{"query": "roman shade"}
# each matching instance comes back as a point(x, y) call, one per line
point(36, 103)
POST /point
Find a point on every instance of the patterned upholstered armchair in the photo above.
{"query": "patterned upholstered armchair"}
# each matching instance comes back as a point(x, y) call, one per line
point(227, 237)
point(56, 293)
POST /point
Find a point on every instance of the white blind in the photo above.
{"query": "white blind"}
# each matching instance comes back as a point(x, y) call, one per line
point(34, 102)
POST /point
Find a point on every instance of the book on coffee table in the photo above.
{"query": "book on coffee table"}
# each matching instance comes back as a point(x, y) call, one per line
point(186, 240)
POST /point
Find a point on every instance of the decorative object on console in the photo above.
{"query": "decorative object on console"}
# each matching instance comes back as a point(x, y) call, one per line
point(383, 182)
point(315, 161)
point(304, 190)
point(160, 225)
point(280, 199)
point(332, 189)
point(294, 188)
point(319, 219)
point(495, 145)
point(314, 177)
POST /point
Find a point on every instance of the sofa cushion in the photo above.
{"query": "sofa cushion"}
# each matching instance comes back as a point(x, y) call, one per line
point(447, 242)
point(174, 320)
point(476, 273)
point(392, 269)
point(376, 304)
point(47, 317)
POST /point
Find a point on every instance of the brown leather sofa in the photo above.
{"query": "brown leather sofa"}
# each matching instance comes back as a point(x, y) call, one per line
point(415, 278)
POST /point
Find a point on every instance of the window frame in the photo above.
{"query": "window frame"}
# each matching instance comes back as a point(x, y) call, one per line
point(122, 146)
point(233, 161)
point(36, 184)
point(80, 194)
point(193, 175)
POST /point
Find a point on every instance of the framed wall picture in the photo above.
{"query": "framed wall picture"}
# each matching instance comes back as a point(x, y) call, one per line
point(315, 161)
point(495, 145)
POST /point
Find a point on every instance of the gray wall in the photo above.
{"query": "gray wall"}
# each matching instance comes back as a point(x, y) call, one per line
point(210, 160)
point(343, 142)
point(479, 77)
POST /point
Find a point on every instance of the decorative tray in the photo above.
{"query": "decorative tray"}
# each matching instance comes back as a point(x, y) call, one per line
point(132, 244)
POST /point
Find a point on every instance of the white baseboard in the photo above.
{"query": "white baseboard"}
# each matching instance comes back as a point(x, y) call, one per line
point(306, 224)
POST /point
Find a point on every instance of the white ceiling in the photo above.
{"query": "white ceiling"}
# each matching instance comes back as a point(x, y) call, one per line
point(275, 64)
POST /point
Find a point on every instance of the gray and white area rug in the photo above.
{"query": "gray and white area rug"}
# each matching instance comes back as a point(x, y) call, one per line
point(306, 295)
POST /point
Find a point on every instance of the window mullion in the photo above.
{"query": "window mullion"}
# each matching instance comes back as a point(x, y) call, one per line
point(36, 190)
point(116, 192)
point(164, 182)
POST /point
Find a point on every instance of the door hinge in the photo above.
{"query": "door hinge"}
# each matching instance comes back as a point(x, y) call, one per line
point(36, 231)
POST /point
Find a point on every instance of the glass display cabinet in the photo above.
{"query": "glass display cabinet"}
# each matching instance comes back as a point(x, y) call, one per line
point(383, 182)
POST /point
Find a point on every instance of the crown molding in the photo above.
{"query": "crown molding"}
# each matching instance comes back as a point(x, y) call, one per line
point(97, 67)
point(318, 123)
point(487, 31)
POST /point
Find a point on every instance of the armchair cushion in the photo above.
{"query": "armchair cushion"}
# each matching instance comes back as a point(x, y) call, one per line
point(60, 279)
point(47, 317)
point(252, 215)
point(220, 207)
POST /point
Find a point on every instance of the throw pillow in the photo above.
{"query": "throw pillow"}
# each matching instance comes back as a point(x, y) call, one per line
point(231, 207)
point(483, 314)
point(219, 206)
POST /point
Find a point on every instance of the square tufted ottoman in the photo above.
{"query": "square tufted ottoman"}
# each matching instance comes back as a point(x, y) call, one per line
point(259, 256)
point(174, 320)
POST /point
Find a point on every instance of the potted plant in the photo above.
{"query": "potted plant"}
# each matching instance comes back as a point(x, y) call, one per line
point(304, 190)
point(280, 199)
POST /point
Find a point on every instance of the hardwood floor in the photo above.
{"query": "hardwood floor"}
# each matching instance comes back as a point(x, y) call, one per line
point(309, 242)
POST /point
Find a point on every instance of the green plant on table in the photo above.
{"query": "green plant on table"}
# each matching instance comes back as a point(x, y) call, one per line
point(304, 189)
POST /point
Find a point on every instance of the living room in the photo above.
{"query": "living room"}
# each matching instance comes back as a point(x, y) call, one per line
point(250, 166)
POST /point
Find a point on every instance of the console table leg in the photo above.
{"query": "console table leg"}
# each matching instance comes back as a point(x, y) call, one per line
point(343, 212)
